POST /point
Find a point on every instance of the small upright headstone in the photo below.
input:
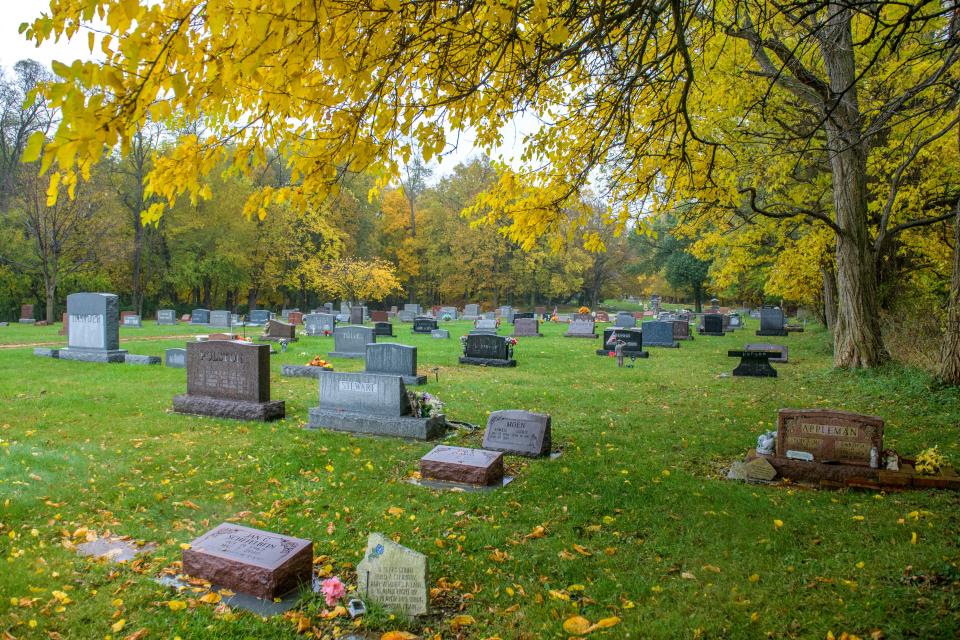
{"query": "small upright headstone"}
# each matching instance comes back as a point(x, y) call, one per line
point(522, 433)
point(448, 313)
point(712, 325)
point(625, 320)
point(351, 341)
point(319, 324)
point(64, 324)
point(227, 379)
point(379, 316)
point(395, 360)
point(258, 563)
point(383, 329)
point(772, 322)
point(393, 576)
point(424, 325)
point(487, 350)
point(26, 314)
point(526, 328)
point(200, 316)
point(412, 308)
point(602, 316)
point(295, 317)
point(506, 313)
point(175, 358)
point(220, 319)
point(356, 315)
point(277, 331)
point(166, 316)
point(581, 329)
point(471, 311)
point(258, 317)
point(658, 334)
point(132, 320)
point(632, 342)
point(518, 315)
point(93, 333)
point(463, 466)
point(484, 324)
point(681, 330)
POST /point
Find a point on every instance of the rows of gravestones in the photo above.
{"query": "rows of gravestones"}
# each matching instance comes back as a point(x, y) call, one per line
point(230, 379)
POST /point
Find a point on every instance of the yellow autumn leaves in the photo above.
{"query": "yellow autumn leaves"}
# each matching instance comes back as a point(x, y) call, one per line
point(580, 626)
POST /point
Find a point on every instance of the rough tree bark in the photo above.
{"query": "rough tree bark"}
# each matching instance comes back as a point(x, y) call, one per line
point(950, 349)
point(829, 296)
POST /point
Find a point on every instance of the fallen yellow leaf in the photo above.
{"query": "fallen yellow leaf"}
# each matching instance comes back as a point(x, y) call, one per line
point(398, 635)
point(605, 623)
point(577, 625)
point(118, 626)
point(461, 621)
point(210, 598)
point(177, 605)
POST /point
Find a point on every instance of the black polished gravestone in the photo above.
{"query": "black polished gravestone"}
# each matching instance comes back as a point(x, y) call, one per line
point(681, 330)
point(754, 363)
point(424, 325)
point(632, 342)
point(229, 379)
point(772, 322)
point(384, 329)
point(659, 334)
point(520, 315)
point(712, 325)
point(488, 350)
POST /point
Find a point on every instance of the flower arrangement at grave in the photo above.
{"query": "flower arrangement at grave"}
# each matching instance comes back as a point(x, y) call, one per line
point(584, 310)
point(327, 333)
point(424, 405)
point(317, 361)
point(930, 461)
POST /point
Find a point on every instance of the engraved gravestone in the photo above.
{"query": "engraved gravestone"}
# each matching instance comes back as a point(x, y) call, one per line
point(258, 317)
point(580, 328)
point(517, 315)
point(506, 313)
point(772, 322)
point(754, 363)
point(625, 320)
point(132, 320)
point(251, 561)
point(486, 324)
point(448, 313)
point(379, 316)
point(311, 324)
point(471, 312)
point(383, 329)
point(658, 334)
point(277, 330)
point(488, 350)
point(602, 316)
point(370, 403)
point(521, 433)
point(424, 325)
point(351, 341)
point(828, 435)
point(26, 314)
point(681, 330)
point(229, 379)
point(632, 342)
point(766, 346)
point(712, 325)
point(93, 333)
point(200, 316)
point(463, 465)
point(393, 576)
point(526, 327)
point(295, 317)
point(175, 358)
point(220, 319)
point(395, 360)
point(166, 316)
point(356, 315)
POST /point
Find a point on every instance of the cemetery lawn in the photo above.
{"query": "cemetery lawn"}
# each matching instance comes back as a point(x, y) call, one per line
point(633, 521)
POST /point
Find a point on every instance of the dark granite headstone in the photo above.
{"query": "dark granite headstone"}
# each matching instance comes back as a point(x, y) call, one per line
point(166, 316)
point(518, 432)
point(383, 329)
point(228, 379)
point(658, 334)
point(632, 339)
point(526, 327)
point(424, 325)
point(712, 325)
point(351, 341)
point(681, 330)
point(772, 322)
point(754, 363)
point(259, 563)
point(489, 350)
point(200, 316)
point(394, 360)
point(517, 315)
point(258, 317)
point(175, 358)
point(463, 465)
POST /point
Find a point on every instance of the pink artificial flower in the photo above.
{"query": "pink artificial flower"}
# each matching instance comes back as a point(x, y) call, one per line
point(333, 590)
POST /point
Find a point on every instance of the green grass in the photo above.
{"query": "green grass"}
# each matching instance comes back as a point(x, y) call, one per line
point(639, 486)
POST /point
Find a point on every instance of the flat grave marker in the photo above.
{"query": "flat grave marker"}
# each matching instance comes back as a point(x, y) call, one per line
point(517, 432)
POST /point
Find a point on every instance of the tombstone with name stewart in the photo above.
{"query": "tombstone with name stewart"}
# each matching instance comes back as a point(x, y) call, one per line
point(488, 350)
point(516, 432)
point(384, 329)
point(93, 333)
point(393, 576)
point(658, 334)
point(625, 320)
point(712, 325)
point(772, 322)
point(370, 403)
point(463, 465)
point(681, 330)
point(526, 328)
point(200, 316)
point(632, 339)
point(229, 379)
point(424, 325)
point(579, 328)
point(26, 314)
point(395, 360)
point(166, 316)
point(258, 317)
point(351, 341)
point(259, 563)
point(221, 319)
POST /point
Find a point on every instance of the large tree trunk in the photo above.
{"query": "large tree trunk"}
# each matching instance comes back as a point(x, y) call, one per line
point(829, 295)
point(857, 338)
point(950, 349)
point(137, 293)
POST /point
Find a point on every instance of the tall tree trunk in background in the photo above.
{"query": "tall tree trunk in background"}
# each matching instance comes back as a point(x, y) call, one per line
point(829, 295)
point(950, 349)
point(136, 294)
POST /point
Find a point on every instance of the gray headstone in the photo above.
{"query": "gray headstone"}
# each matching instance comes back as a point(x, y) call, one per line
point(471, 311)
point(351, 341)
point(658, 334)
point(166, 316)
point(93, 328)
point(175, 358)
point(132, 320)
point(625, 320)
point(424, 325)
point(526, 327)
point(506, 313)
point(258, 317)
point(771, 322)
point(356, 315)
point(581, 329)
point(371, 393)
point(220, 319)
point(440, 333)
point(489, 315)
point(393, 576)
point(130, 358)
point(448, 311)
point(394, 359)
point(519, 432)
point(200, 316)
point(485, 323)
point(412, 308)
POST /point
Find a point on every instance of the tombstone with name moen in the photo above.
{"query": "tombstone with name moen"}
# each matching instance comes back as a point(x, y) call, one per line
point(517, 432)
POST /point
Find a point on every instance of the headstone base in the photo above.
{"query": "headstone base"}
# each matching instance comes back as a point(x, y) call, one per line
point(27, 321)
point(372, 424)
point(718, 334)
point(772, 332)
point(347, 354)
point(117, 355)
point(626, 354)
point(791, 328)
point(301, 371)
point(488, 362)
point(274, 339)
point(236, 409)
point(527, 335)
point(135, 359)
point(45, 352)
point(668, 345)
point(580, 335)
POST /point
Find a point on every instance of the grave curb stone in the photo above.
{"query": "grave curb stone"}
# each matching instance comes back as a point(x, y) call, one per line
point(236, 409)
point(301, 371)
point(433, 466)
point(131, 358)
point(46, 352)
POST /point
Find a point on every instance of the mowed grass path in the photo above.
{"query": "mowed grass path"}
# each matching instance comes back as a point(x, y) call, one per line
point(639, 522)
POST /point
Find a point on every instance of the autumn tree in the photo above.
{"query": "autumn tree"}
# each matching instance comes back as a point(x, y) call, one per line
point(20, 118)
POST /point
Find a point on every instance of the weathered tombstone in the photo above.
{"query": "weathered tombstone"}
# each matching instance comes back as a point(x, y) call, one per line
point(632, 342)
point(132, 320)
point(26, 314)
point(658, 334)
point(754, 364)
point(175, 358)
point(829, 436)
point(486, 325)
point(394, 360)
point(506, 313)
point(681, 330)
point(783, 358)
point(166, 316)
point(393, 576)
point(258, 317)
point(521, 433)
point(448, 312)
point(370, 403)
point(258, 563)
point(602, 316)
point(712, 325)
point(564, 317)
point(351, 341)
point(463, 466)
point(526, 328)
point(295, 317)
point(228, 379)
point(200, 316)
point(488, 350)
point(276, 330)
point(424, 325)
point(93, 333)
point(771, 322)
point(383, 329)
point(440, 333)
point(471, 311)
point(406, 316)
point(379, 316)
point(64, 324)
point(356, 315)
point(312, 325)
point(220, 319)
point(579, 328)
point(285, 314)
point(625, 320)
